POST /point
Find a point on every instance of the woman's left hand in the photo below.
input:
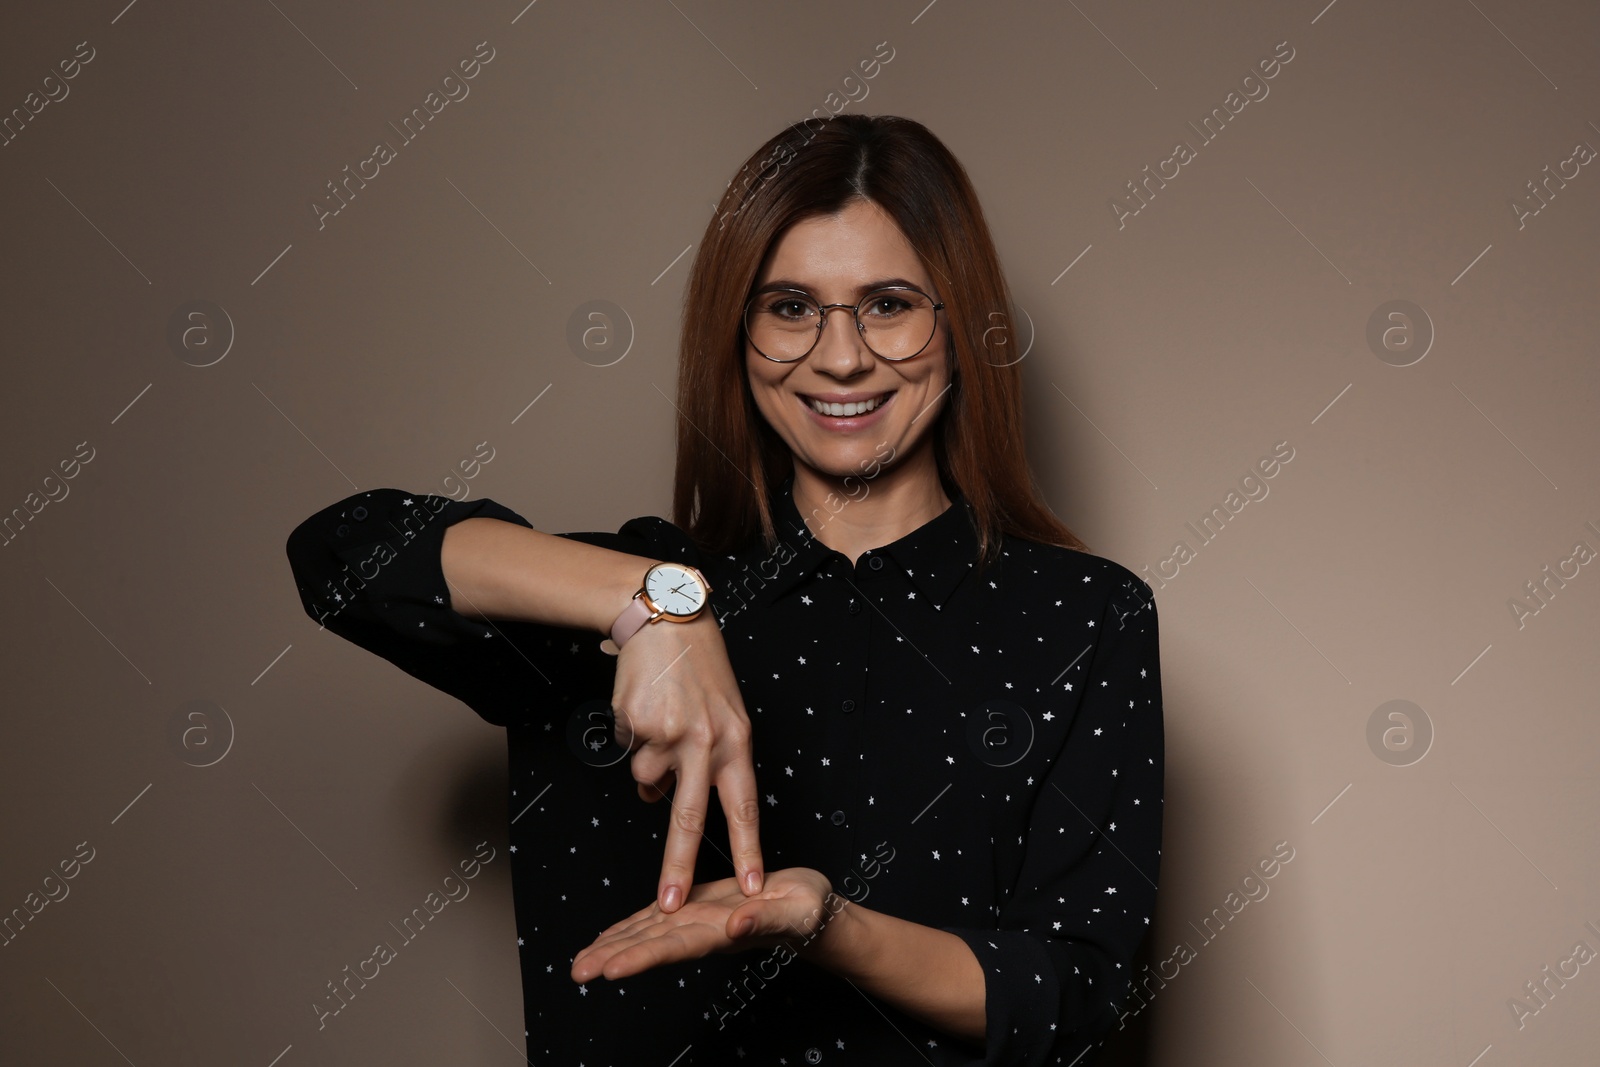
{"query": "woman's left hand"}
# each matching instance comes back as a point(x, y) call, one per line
point(718, 917)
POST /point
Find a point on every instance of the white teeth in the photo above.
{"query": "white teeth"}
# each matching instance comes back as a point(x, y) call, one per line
point(860, 407)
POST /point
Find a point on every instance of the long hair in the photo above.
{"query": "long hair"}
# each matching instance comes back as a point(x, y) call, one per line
point(806, 171)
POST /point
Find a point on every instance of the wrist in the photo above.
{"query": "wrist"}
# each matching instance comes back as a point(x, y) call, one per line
point(626, 580)
point(842, 942)
point(667, 592)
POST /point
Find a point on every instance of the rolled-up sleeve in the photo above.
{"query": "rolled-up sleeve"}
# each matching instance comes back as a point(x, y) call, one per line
point(368, 569)
point(1058, 964)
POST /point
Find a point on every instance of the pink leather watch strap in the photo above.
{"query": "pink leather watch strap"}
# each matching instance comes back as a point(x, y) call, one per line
point(633, 617)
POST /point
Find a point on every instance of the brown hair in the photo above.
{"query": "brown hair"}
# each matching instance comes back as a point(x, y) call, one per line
point(807, 171)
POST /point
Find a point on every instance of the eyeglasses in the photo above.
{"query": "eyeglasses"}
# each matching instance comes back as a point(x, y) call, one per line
point(895, 322)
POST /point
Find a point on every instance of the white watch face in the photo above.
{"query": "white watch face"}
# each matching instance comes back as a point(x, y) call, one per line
point(674, 589)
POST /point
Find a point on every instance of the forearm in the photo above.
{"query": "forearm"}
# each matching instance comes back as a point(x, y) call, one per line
point(499, 570)
point(929, 974)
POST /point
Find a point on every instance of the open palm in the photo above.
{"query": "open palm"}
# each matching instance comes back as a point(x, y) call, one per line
point(717, 917)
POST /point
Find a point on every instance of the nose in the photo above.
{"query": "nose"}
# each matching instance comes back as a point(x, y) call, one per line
point(841, 351)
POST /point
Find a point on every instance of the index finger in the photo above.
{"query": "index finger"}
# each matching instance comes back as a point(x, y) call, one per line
point(736, 789)
point(684, 831)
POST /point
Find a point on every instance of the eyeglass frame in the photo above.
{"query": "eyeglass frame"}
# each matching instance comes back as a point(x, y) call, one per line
point(855, 313)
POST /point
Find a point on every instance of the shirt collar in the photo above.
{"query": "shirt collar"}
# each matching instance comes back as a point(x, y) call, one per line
point(934, 557)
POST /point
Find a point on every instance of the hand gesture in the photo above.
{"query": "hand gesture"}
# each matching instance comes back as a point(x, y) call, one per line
point(718, 917)
point(677, 705)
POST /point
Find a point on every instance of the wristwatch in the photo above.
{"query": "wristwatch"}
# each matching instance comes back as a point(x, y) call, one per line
point(675, 592)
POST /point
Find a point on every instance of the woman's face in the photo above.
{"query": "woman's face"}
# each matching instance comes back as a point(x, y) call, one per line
point(838, 259)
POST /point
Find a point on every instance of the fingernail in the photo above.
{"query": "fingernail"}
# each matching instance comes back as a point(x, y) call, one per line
point(670, 901)
point(752, 882)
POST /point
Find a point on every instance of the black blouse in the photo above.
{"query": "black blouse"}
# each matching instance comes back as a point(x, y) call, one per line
point(979, 752)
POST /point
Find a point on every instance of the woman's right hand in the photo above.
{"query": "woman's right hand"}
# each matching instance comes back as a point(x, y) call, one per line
point(678, 707)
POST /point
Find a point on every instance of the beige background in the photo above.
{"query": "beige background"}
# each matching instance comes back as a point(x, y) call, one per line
point(1228, 315)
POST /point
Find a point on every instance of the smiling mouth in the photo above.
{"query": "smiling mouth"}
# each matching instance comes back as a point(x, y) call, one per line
point(859, 407)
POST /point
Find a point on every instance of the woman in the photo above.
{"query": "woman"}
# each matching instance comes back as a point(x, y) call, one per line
point(905, 680)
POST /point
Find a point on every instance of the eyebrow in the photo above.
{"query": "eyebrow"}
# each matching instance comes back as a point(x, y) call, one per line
point(860, 290)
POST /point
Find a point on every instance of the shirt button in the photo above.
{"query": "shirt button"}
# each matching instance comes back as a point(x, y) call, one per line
point(855, 605)
point(343, 530)
point(359, 514)
point(837, 818)
point(876, 563)
point(848, 706)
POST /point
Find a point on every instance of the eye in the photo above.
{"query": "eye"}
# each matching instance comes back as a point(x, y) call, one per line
point(789, 308)
point(884, 306)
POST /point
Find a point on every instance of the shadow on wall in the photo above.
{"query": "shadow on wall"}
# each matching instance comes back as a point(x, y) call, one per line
point(456, 793)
